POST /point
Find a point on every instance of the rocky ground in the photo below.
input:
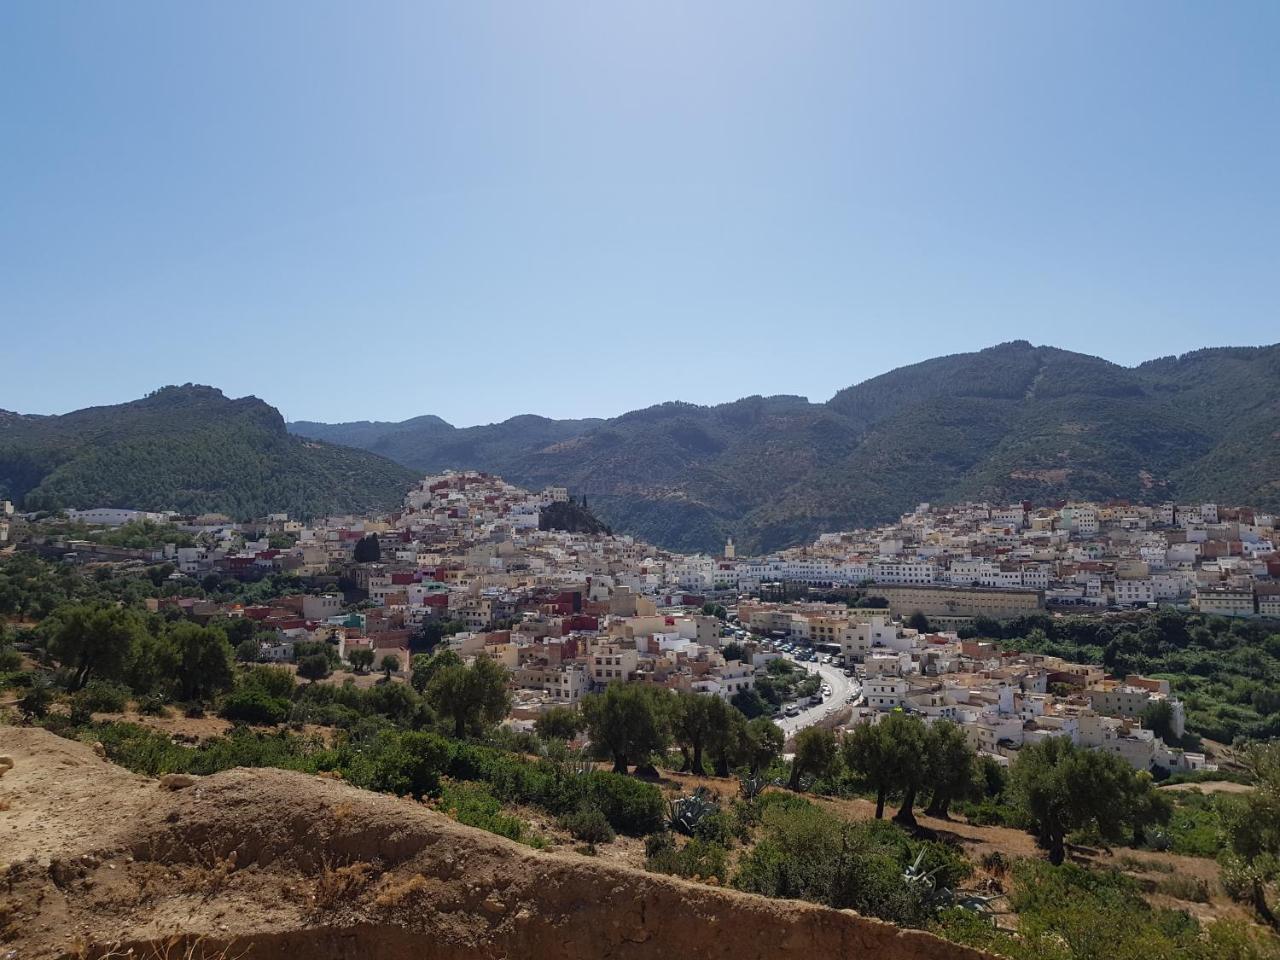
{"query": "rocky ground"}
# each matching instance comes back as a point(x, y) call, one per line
point(95, 862)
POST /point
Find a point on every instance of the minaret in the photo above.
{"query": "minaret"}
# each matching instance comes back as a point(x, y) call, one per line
point(729, 552)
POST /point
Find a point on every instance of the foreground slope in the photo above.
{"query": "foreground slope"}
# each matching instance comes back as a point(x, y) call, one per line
point(189, 449)
point(269, 863)
point(1014, 421)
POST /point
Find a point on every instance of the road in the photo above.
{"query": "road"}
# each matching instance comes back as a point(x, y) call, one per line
point(842, 688)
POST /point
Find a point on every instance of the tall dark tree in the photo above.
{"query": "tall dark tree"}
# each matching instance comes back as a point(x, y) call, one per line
point(92, 641)
point(953, 767)
point(472, 696)
point(368, 549)
point(203, 661)
point(1062, 788)
point(816, 750)
point(628, 722)
point(691, 725)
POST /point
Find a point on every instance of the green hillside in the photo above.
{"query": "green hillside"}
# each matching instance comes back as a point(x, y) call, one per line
point(1014, 421)
point(189, 449)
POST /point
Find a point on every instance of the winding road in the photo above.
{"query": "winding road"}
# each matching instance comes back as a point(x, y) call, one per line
point(842, 688)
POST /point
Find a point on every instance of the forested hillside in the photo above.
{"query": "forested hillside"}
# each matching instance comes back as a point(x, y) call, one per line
point(189, 449)
point(1010, 422)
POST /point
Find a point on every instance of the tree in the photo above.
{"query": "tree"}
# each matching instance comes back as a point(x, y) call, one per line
point(691, 725)
point(558, 723)
point(248, 651)
point(433, 631)
point(1251, 827)
point(815, 752)
point(361, 659)
point(93, 641)
point(203, 661)
point(750, 703)
point(1062, 788)
point(472, 696)
point(1148, 806)
point(953, 767)
point(734, 651)
point(368, 549)
point(627, 722)
point(918, 621)
point(885, 753)
point(390, 664)
point(728, 738)
point(424, 666)
point(314, 667)
point(911, 752)
point(765, 740)
point(1157, 716)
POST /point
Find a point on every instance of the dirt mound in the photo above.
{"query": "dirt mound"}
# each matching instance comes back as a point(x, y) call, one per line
point(267, 863)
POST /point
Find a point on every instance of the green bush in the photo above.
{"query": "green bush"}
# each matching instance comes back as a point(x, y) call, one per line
point(475, 805)
point(631, 806)
point(807, 853)
point(696, 858)
point(589, 825)
point(254, 705)
point(103, 696)
point(10, 659)
point(718, 827)
point(274, 681)
point(401, 763)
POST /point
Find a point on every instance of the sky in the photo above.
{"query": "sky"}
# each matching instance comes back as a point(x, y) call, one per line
point(378, 210)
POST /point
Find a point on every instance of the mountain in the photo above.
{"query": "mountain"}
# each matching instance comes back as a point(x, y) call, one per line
point(1013, 421)
point(429, 444)
point(189, 449)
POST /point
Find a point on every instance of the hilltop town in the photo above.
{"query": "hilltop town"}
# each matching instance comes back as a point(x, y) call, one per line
point(864, 622)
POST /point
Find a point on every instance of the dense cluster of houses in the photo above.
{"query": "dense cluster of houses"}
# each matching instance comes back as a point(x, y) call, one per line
point(975, 559)
point(464, 562)
point(1003, 699)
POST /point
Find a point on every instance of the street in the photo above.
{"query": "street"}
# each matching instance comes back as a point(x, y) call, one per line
point(842, 688)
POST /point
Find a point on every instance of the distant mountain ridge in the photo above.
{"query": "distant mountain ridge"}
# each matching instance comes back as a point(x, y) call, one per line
point(189, 449)
point(1013, 421)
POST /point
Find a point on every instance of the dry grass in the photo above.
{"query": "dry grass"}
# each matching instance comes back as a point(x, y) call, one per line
point(336, 886)
point(397, 894)
point(175, 947)
point(1182, 887)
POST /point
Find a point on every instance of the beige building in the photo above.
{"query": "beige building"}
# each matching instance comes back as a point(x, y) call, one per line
point(954, 602)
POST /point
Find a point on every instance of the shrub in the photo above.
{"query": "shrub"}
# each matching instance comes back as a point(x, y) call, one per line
point(10, 659)
point(274, 681)
point(475, 805)
point(631, 806)
point(697, 858)
point(35, 702)
point(401, 763)
point(153, 705)
point(102, 696)
point(718, 827)
point(254, 705)
point(589, 825)
point(809, 854)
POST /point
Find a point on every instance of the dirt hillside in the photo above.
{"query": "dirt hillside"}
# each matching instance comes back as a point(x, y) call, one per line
point(271, 864)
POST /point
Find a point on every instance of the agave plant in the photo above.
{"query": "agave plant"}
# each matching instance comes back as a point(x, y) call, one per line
point(686, 813)
point(751, 786)
point(935, 897)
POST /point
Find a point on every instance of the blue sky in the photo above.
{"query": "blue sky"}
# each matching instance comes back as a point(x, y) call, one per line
point(374, 211)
